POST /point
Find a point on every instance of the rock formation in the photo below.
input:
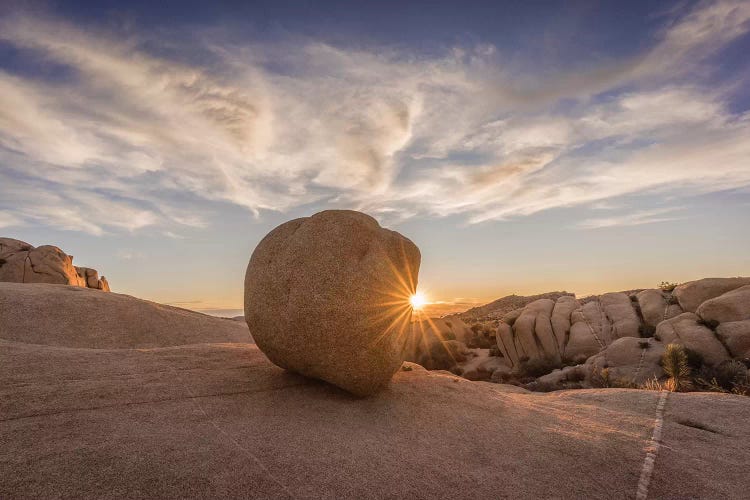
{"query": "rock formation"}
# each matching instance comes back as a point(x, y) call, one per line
point(692, 294)
point(688, 330)
point(611, 331)
point(626, 361)
point(75, 317)
point(327, 296)
point(23, 263)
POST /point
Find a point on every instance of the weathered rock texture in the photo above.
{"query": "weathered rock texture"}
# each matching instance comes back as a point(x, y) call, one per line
point(218, 420)
point(736, 336)
point(687, 331)
point(693, 293)
point(23, 263)
point(547, 333)
point(69, 316)
point(733, 305)
point(627, 360)
point(327, 296)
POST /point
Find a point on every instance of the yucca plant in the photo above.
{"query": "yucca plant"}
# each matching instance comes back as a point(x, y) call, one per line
point(675, 364)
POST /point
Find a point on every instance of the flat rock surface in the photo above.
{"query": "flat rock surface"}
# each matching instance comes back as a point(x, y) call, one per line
point(69, 316)
point(219, 420)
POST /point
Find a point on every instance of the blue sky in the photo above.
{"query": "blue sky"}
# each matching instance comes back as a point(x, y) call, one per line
point(524, 146)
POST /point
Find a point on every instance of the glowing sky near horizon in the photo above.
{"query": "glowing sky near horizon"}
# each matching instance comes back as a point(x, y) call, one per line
point(524, 147)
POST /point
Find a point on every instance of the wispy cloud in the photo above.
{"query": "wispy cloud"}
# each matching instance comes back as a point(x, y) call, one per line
point(128, 135)
point(631, 219)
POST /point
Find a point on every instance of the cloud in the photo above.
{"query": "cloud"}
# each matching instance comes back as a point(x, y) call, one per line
point(631, 219)
point(131, 137)
point(9, 220)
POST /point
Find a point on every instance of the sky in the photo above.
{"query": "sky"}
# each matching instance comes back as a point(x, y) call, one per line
point(525, 147)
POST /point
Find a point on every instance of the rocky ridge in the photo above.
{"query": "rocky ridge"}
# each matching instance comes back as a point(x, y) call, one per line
point(566, 342)
point(21, 262)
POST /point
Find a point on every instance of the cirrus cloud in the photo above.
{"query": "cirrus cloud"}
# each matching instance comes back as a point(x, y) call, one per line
point(127, 134)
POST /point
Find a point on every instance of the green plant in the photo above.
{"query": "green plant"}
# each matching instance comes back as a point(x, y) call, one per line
point(667, 286)
point(729, 376)
point(652, 384)
point(601, 378)
point(675, 364)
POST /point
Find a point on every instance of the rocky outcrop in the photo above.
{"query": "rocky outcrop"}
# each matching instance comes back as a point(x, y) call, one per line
point(502, 306)
point(626, 361)
point(76, 317)
point(656, 306)
point(735, 335)
point(692, 294)
point(730, 306)
point(327, 296)
point(566, 330)
point(687, 330)
point(23, 263)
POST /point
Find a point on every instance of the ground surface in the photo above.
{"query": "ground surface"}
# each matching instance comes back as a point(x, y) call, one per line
point(219, 420)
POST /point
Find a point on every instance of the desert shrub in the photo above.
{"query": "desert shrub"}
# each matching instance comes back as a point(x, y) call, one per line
point(694, 359)
point(538, 386)
point(729, 376)
point(495, 351)
point(708, 323)
point(537, 367)
point(666, 286)
point(449, 335)
point(675, 364)
point(646, 331)
point(601, 378)
point(483, 336)
point(652, 384)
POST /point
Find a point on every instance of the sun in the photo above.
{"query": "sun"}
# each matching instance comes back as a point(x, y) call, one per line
point(418, 300)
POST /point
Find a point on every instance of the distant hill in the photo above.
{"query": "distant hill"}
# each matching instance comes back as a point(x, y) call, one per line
point(498, 308)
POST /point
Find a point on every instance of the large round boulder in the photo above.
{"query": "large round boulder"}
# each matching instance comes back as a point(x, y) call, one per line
point(327, 296)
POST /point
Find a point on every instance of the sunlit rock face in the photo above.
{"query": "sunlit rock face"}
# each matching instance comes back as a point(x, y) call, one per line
point(327, 296)
point(23, 263)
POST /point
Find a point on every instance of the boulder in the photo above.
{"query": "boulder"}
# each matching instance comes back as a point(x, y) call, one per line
point(693, 293)
point(23, 263)
point(327, 296)
point(598, 323)
point(620, 318)
point(561, 319)
point(686, 330)
point(736, 336)
point(533, 333)
point(586, 337)
point(507, 345)
point(730, 306)
point(628, 361)
point(563, 378)
point(13, 256)
point(479, 365)
point(656, 307)
point(512, 316)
